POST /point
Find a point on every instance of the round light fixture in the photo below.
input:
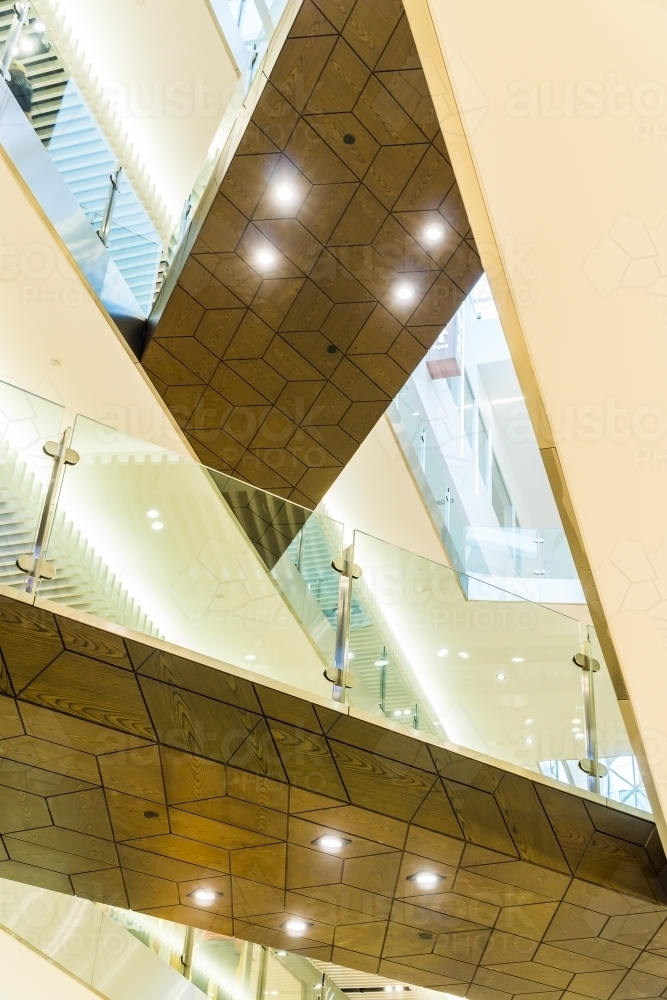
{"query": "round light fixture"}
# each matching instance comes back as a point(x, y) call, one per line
point(500, 677)
point(281, 954)
point(528, 739)
point(157, 525)
point(38, 26)
point(264, 257)
point(250, 656)
point(405, 292)
point(576, 722)
point(464, 656)
point(433, 233)
point(204, 895)
point(517, 659)
point(285, 192)
point(579, 736)
point(152, 513)
point(528, 722)
point(296, 926)
point(425, 879)
point(27, 45)
point(330, 842)
point(442, 652)
point(397, 713)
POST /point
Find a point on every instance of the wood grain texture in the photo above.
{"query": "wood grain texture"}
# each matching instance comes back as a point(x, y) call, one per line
point(347, 121)
point(137, 786)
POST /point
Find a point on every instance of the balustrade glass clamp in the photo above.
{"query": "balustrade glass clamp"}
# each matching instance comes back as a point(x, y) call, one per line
point(340, 678)
point(34, 564)
point(593, 768)
point(586, 662)
point(340, 564)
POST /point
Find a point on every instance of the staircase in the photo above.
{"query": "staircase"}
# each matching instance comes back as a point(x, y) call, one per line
point(84, 157)
point(82, 581)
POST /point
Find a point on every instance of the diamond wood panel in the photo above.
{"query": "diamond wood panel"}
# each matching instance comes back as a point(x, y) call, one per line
point(133, 776)
point(276, 372)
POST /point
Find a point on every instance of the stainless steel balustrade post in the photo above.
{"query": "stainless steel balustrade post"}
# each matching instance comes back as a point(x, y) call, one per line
point(107, 218)
point(11, 44)
point(590, 764)
point(340, 678)
point(188, 951)
point(34, 564)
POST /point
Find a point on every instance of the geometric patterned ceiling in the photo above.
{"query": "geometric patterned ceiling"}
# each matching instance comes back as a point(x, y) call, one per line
point(133, 776)
point(286, 335)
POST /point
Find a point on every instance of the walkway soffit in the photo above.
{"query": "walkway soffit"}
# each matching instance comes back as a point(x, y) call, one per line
point(277, 373)
point(132, 776)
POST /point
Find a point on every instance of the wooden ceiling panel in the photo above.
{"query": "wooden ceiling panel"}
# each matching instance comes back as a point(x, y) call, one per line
point(541, 891)
point(346, 123)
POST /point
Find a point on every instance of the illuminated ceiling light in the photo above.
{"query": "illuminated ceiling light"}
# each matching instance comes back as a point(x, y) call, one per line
point(389, 989)
point(407, 711)
point(27, 45)
point(517, 659)
point(204, 895)
point(281, 954)
point(351, 656)
point(433, 233)
point(425, 878)
point(250, 656)
point(332, 843)
point(284, 192)
point(528, 722)
point(528, 739)
point(500, 677)
point(464, 656)
point(405, 292)
point(576, 722)
point(38, 26)
point(265, 257)
point(273, 993)
point(442, 652)
point(579, 736)
point(152, 513)
point(296, 926)
point(157, 525)
point(397, 713)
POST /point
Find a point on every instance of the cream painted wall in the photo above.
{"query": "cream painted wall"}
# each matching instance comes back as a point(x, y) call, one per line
point(47, 314)
point(562, 164)
point(26, 975)
point(167, 74)
point(375, 493)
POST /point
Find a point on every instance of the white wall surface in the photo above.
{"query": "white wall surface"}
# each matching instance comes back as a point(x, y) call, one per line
point(48, 315)
point(375, 493)
point(564, 107)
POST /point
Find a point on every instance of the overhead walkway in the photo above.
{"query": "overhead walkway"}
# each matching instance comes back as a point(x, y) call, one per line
point(310, 816)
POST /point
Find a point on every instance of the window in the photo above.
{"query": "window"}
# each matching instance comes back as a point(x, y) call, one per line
point(500, 498)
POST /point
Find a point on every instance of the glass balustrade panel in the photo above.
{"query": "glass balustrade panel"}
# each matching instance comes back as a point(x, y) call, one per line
point(27, 423)
point(161, 544)
point(494, 675)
